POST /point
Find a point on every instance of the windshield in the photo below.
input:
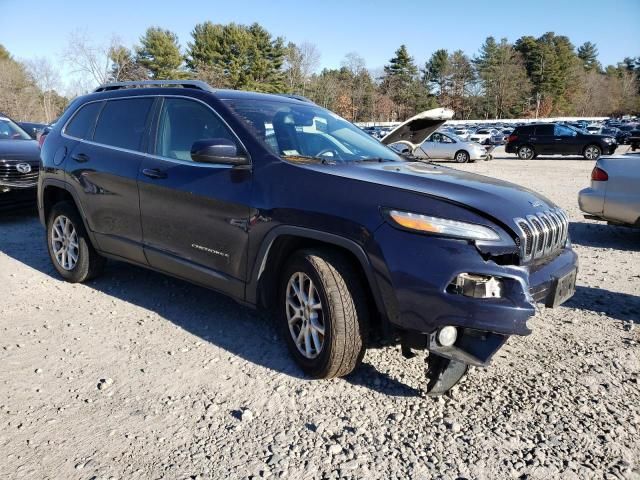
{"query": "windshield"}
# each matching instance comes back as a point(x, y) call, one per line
point(11, 131)
point(297, 131)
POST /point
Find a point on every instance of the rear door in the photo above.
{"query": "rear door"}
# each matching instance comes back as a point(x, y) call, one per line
point(194, 215)
point(104, 167)
point(543, 139)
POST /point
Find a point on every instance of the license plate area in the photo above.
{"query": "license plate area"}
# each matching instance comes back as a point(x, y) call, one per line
point(563, 289)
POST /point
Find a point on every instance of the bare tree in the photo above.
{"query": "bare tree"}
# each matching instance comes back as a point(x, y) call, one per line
point(88, 59)
point(300, 62)
point(47, 79)
point(18, 94)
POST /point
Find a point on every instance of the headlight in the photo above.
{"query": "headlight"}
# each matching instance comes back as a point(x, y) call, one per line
point(608, 140)
point(441, 226)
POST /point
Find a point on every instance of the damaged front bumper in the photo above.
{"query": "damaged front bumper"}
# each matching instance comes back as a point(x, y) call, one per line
point(427, 295)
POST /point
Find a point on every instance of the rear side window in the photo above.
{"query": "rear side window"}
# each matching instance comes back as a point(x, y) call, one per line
point(526, 130)
point(544, 130)
point(122, 123)
point(83, 121)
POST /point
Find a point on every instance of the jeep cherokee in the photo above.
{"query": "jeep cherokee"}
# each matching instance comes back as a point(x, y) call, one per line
point(284, 205)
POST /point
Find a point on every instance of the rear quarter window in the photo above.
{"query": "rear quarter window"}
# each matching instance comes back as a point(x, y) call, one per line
point(83, 121)
point(528, 130)
point(122, 123)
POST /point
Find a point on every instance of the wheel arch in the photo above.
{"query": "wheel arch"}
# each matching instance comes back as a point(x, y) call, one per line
point(282, 241)
point(54, 191)
point(465, 151)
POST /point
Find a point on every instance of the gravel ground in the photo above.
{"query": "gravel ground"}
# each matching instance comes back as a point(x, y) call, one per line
point(136, 375)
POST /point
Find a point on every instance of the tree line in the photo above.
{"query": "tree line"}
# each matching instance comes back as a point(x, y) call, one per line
point(531, 77)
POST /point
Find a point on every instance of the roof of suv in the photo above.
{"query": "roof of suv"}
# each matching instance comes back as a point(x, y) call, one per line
point(190, 85)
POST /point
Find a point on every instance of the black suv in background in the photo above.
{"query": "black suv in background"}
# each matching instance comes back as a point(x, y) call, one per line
point(529, 141)
point(282, 204)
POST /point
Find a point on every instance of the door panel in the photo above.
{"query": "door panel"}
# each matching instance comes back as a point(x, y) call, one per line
point(104, 166)
point(194, 215)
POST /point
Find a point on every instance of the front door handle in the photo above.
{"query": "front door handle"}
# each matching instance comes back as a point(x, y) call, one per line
point(81, 157)
point(154, 173)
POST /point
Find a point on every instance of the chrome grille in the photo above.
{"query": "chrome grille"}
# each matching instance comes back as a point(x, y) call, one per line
point(9, 174)
point(542, 234)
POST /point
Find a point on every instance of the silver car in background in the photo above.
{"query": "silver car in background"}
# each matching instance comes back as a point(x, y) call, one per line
point(614, 194)
point(447, 146)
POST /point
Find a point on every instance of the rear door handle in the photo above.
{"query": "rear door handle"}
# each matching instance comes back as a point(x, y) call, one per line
point(81, 157)
point(154, 173)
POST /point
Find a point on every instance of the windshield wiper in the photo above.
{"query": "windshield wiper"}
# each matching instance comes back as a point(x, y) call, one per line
point(372, 160)
point(309, 159)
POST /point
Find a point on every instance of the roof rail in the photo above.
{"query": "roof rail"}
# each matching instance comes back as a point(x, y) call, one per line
point(195, 84)
point(296, 97)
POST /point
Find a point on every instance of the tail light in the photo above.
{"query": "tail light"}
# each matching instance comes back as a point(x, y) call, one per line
point(42, 139)
point(512, 138)
point(599, 175)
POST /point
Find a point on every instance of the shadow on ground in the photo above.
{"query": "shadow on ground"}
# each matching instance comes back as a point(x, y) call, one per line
point(601, 235)
point(621, 306)
point(211, 316)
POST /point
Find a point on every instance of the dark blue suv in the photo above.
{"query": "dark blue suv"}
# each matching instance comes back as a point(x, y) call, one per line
point(284, 205)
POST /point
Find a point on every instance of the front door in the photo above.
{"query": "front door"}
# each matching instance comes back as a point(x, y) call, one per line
point(194, 215)
point(567, 140)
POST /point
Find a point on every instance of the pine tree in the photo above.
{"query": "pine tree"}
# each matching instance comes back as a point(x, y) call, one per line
point(504, 78)
point(437, 72)
point(588, 53)
point(159, 53)
point(240, 57)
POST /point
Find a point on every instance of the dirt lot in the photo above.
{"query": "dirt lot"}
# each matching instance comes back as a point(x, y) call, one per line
point(136, 375)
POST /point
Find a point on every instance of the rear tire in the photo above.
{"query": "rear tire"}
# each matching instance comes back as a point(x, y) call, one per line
point(325, 326)
point(526, 152)
point(461, 156)
point(592, 152)
point(69, 246)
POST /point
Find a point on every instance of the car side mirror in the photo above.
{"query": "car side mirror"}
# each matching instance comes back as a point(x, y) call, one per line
point(218, 150)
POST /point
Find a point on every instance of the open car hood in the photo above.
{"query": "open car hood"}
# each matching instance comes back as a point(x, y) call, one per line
point(416, 130)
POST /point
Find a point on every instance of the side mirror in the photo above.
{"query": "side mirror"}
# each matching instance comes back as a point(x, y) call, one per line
point(217, 150)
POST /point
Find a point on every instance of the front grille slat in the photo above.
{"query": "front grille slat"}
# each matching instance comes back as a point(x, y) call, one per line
point(9, 174)
point(542, 234)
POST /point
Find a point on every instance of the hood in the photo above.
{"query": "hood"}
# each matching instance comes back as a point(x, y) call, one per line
point(27, 150)
point(500, 200)
point(416, 130)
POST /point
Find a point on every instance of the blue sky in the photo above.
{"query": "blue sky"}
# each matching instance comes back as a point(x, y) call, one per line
point(374, 28)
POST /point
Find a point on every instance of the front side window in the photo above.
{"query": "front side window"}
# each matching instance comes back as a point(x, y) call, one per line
point(292, 130)
point(562, 131)
point(122, 123)
point(182, 123)
point(83, 121)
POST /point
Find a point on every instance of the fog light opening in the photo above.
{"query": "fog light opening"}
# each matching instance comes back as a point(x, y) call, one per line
point(477, 286)
point(447, 336)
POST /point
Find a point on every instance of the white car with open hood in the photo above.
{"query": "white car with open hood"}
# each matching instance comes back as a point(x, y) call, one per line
point(418, 136)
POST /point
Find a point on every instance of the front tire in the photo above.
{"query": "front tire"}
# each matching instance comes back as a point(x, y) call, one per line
point(461, 157)
point(526, 152)
point(323, 313)
point(592, 152)
point(69, 246)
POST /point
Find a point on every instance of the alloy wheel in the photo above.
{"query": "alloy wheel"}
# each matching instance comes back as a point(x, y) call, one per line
point(592, 153)
point(305, 315)
point(64, 242)
point(525, 153)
